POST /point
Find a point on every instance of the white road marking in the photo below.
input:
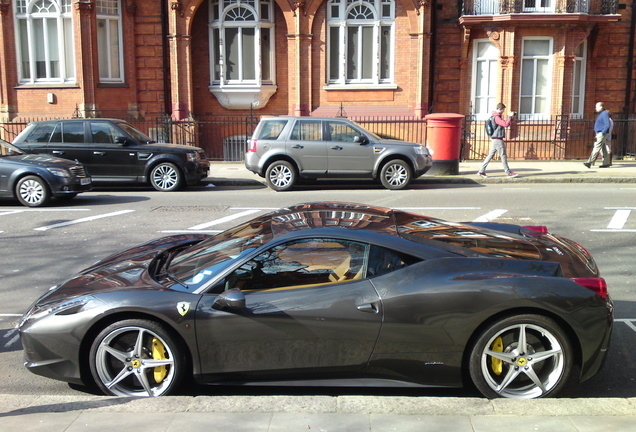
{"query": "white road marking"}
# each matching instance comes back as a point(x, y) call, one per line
point(491, 215)
point(87, 219)
point(224, 219)
point(619, 219)
point(439, 208)
point(629, 322)
point(10, 315)
point(43, 210)
point(189, 230)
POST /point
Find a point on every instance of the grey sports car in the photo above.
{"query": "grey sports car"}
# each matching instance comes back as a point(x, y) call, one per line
point(331, 294)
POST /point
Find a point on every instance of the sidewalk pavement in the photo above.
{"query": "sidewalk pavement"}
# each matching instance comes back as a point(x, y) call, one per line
point(624, 171)
point(313, 413)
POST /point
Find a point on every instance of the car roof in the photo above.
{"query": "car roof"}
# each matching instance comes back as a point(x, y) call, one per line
point(79, 120)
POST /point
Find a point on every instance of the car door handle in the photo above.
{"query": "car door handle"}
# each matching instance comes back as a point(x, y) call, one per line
point(368, 307)
point(336, 148)
point(57, 152)
point(99, 153)
point(297, 146)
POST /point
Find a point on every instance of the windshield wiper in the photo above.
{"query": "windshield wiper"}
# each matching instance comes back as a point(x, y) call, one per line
point(173, 278)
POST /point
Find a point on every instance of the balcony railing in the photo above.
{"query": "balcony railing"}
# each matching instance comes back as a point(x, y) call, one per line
point(503, 7)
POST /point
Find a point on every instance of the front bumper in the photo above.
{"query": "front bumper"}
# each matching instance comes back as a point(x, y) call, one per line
point(73, 185)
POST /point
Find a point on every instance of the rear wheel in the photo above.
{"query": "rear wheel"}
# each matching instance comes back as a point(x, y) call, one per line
point(522, 357)
point(281, 176)
point(395, 174)
point(32, 191)
point(136, 358)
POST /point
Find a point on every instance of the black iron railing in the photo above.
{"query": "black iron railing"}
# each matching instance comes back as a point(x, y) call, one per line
point(502, 7)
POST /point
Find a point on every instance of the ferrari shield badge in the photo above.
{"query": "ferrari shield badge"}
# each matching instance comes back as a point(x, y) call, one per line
point(183, 308)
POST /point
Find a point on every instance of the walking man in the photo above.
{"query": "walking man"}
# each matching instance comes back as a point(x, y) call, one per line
point(497, 141)
point(601, 129)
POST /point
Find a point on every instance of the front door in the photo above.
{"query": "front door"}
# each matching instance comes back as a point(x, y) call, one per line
point(112, 160)
point(308, 310)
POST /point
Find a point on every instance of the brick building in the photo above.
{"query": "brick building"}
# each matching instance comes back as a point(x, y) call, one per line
point(140, 59)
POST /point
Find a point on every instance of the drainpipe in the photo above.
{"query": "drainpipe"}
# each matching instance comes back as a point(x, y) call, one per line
point(431, 81)
point(630, 60)
point(167, 95)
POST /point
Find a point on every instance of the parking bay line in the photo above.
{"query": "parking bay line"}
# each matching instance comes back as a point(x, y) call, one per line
point(491, 215)
point(87, 219)
point(224, 219)
point(629, 322)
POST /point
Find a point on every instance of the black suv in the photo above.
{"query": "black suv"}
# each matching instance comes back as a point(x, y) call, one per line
point(113, 151)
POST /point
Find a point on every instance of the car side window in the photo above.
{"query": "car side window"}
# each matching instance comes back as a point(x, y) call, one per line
point(271, 129)
point(341, 132)
point(300, 264)
point(41, 133)
point(69, 132)
point(307, 130)
point(103, 133)
point(383, 261)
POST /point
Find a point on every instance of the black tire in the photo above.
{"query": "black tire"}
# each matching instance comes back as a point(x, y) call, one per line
point(136, 357)
point(32, 191)
point(166, 177)
point(500, 368)
point(281, 176)
point(395, 174)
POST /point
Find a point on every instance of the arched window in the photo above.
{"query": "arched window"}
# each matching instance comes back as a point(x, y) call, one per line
point(241, 42)
point(361, 39)
point(45, 41)
point(109, 37)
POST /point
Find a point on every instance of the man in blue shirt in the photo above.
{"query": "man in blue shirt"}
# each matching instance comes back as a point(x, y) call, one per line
point(601, 129)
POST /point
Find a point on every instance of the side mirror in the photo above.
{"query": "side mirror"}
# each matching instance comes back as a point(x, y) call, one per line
point(230, 299)
point(360, 139)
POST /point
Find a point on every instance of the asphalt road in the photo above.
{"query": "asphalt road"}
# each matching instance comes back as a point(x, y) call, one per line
point(42, 247)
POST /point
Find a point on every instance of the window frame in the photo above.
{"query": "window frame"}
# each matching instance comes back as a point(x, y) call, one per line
point(534, 115)
point(491, 97)
point(383, 12)
point(263, 25)
point(107, 56)
point(582, 61)
point(62, 16)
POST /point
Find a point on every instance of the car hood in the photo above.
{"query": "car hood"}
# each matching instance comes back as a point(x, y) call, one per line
point(42, 160)
point(125, 270)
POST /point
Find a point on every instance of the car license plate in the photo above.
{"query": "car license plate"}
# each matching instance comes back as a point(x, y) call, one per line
point(85, 181)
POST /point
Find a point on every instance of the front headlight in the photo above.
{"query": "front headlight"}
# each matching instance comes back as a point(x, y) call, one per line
point(58, 172)
point(419, 149)
point(193, 156)
point(68, 307)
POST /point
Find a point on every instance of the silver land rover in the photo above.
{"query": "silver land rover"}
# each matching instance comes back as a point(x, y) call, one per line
point(284, 149)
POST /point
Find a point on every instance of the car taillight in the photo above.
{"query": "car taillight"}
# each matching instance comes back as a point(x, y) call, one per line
point(596, 284)
point(251, 145)
point(535, 230)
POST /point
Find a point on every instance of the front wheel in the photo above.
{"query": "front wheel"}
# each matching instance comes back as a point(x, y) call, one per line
point(32, 191)
point(281, 176)
point(166, 177)
point(136, 358)
point(395, 174)
point(522, 357)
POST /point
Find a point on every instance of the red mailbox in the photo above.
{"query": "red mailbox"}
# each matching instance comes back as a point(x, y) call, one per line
point(443, 137)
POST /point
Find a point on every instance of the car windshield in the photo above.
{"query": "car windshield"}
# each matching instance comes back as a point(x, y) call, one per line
point(200, 263)
point(136, 134)
point(7, 149)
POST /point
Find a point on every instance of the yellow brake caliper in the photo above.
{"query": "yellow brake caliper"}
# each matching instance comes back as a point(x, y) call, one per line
point(495, 363)
point(159, 353)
